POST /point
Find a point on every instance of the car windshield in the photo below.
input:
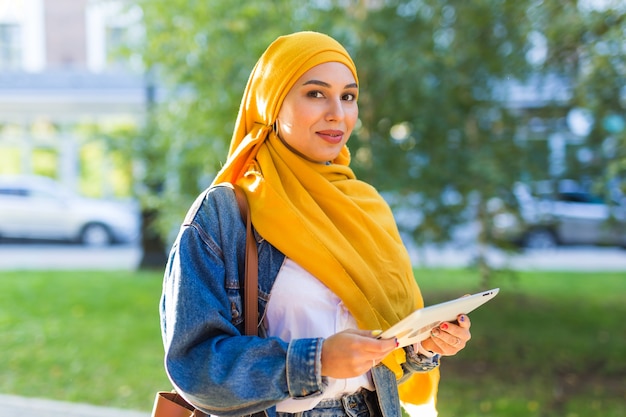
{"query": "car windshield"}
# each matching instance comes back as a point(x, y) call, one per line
point(578, 197)
point(14, 191)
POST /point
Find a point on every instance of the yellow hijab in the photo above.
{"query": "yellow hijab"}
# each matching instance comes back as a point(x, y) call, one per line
point(336, 227)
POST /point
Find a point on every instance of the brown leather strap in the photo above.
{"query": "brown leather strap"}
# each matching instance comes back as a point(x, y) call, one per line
point(170, 404)
point(250, 287)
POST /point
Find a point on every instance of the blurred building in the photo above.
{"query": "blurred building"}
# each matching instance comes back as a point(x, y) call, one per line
point(61, 80)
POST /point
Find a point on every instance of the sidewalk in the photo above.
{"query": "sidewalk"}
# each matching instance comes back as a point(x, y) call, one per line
point(575, 258)
point(13, 406)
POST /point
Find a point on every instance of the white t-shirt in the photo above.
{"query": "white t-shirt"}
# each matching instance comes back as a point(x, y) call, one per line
point(301, 306)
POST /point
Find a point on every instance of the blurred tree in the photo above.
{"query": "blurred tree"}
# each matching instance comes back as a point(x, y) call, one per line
point(200, 54)
point(431, 124)
point(439, 123)
point(437, 129)
point(585, 45)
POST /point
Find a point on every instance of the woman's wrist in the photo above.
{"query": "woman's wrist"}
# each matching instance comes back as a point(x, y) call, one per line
point(417, 347)
point(422, 359)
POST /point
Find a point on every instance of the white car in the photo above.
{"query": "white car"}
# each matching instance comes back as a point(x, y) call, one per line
point(567, 216)
point(35, 207)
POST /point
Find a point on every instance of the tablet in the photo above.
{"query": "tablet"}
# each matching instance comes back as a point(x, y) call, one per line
point(416, 326)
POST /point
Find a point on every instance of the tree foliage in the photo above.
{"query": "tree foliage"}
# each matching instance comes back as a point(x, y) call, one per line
point(586, 44)
point(199, 54)
point(437, 125)
point(431, 121)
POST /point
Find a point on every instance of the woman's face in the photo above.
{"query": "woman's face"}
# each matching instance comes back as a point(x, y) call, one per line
point(319, 112)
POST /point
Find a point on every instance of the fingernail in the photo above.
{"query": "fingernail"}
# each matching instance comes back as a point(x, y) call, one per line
point(376, 333)
point(444, 326)
point(434, 332)
point(462, 317)
point(397, 343)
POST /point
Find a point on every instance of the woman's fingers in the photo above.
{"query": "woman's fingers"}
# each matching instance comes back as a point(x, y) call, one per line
point(450, 338)
point(353, 352)
point(464, 321)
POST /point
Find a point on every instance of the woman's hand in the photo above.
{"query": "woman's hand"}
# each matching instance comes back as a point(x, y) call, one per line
point(353, 352)
point(449, 338)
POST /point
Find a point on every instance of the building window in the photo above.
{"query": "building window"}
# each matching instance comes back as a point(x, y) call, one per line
point(10, 56)
point(116, 45)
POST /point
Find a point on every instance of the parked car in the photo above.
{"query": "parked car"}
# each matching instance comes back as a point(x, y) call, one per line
point(35, 207)
point(567, 215)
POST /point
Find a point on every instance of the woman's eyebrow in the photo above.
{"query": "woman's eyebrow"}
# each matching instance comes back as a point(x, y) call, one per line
point(325, 84)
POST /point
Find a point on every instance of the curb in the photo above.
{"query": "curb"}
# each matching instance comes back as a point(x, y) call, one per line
point(13, 405)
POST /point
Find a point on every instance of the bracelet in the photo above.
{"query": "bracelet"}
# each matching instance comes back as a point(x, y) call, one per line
point(428, 364)
point(423, 359)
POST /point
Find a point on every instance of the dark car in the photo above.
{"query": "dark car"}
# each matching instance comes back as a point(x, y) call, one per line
point(569, 215)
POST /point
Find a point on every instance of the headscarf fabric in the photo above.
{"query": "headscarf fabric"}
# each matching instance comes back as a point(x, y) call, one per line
point(336, 227)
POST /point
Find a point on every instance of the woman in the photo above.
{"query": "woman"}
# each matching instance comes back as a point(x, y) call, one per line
point(332, 268)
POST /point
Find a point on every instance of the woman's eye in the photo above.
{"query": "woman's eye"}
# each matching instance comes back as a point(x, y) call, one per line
point(315, 94)
point(349, 97)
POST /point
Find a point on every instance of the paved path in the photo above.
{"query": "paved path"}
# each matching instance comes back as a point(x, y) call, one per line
point(578, 258)
point(63, 256)
point(14, 406)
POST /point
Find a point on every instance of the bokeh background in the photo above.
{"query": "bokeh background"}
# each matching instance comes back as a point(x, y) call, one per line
point(495, 129)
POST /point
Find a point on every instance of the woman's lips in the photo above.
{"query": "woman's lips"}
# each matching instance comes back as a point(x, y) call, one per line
point(331, 136)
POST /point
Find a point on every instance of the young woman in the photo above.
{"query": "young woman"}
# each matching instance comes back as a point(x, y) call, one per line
point(333, 271)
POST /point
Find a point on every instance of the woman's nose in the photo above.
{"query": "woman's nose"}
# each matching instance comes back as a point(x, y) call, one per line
point(335, 110)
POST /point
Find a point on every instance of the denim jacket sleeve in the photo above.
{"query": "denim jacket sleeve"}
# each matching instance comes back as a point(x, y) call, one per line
point(416, 362)
point(208, 360)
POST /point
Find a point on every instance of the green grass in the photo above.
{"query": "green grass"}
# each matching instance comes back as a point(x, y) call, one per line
point(550, 344)
point(82, 336)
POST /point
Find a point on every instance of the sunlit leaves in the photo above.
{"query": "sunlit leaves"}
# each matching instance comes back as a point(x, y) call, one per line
point(434, 76)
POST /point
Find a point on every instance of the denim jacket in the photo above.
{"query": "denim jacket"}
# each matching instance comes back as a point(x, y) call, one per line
point(207, 358)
